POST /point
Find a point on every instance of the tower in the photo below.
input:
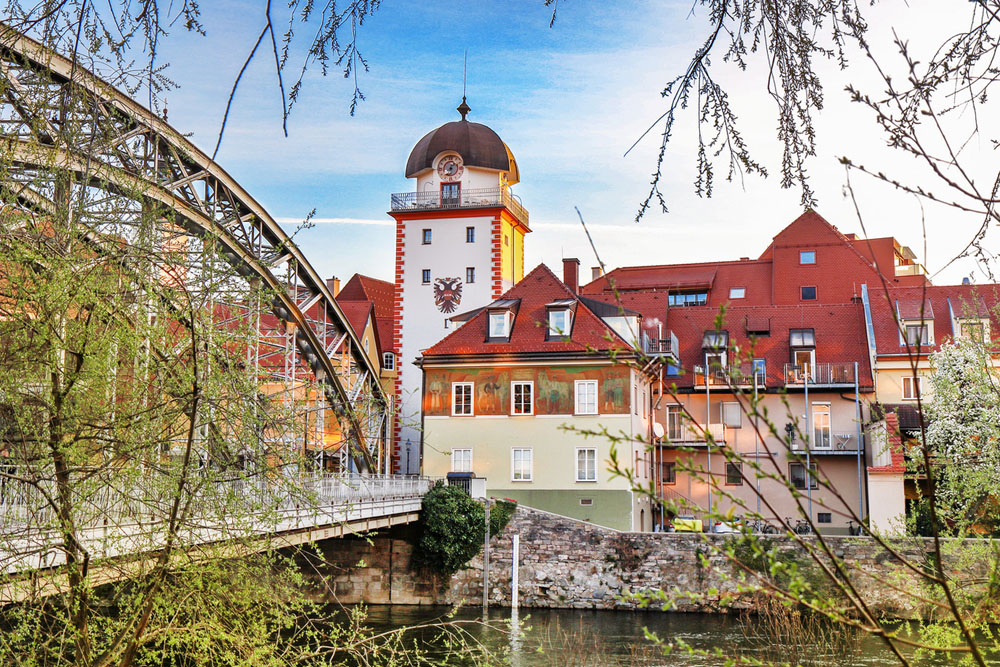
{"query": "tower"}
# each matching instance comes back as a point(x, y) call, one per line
point(459, 246)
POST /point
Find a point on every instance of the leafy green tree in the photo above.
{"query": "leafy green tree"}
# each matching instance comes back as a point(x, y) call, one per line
point(963, 435)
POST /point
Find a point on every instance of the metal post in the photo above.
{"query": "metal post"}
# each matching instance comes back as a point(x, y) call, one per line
point(514, 564)
point(756, 440)
point(708, 428)
point(857, 420)
point(486, 561)
point(808, 440)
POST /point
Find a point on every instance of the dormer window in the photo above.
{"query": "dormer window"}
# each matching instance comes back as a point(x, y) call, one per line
point(975, 330)
point(560, 318)
point(500, 320)
point(500, 324)
point(558, 323)
point(916, 333)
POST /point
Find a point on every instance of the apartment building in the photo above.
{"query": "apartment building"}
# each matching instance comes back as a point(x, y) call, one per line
point(515, 393)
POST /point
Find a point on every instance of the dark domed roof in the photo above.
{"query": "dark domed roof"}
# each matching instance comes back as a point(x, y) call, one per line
point(478, 145)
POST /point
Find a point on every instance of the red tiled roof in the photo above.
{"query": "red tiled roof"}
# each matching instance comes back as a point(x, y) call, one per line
point(965, 301)
point(528, 333)
point(839, 328)
point(366, 288)
point(357, 314)
point(381, 293)
point(895, 445)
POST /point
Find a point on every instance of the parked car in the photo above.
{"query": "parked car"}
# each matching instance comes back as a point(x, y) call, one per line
point(686, 524)
point(734, 526)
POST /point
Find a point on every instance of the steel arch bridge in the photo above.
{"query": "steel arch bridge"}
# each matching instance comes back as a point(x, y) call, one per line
point(130, 153)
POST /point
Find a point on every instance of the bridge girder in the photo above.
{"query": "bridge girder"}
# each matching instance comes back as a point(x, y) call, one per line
point(134, 153)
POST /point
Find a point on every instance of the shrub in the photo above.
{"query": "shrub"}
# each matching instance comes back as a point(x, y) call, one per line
point(452, 529)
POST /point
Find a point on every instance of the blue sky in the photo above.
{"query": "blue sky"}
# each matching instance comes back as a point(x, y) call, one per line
point(568, 100)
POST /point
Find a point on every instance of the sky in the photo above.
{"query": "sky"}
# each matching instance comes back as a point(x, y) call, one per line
point(569, 100)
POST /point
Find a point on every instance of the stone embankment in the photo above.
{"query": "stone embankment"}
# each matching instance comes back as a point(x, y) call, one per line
point(565, 563)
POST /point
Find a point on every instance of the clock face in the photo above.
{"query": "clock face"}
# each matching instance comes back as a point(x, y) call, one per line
point(450, 168)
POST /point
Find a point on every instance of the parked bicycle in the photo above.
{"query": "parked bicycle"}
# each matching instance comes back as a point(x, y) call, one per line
point(800, 527)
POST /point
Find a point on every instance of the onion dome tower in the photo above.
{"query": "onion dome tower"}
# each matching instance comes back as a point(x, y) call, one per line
point(459, 245)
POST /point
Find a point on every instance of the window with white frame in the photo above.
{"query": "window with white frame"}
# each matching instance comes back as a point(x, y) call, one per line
point(732, 415)
point(461, 399)
point(640, 464)
point(737, 292)
point(500, 324)
point(912, 387)
point(916, 333)
point(461, 460)
point(586, 464)
point(821, 425)
point(675, 423)
point(521, 397)
point(807, 257)
point(558, 322)
point(520, 464)
point(976, 330)
point(586, 397)
point(797, 475)
point(388, 361)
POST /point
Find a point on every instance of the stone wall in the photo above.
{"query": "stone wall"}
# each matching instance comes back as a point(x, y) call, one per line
point(567, 563)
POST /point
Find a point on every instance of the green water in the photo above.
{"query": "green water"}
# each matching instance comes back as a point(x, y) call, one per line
point(583, 638)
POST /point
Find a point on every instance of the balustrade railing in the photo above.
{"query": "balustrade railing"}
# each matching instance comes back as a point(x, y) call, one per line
point(464, 198)
point(25, 507)
point(827, 373)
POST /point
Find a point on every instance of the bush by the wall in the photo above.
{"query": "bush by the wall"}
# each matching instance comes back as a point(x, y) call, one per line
point(452, 529)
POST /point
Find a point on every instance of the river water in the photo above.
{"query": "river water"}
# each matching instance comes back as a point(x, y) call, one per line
point(578, 638)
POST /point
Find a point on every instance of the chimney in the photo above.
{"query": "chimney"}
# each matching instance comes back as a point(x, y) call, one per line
point(595, 272)
point(571, 273)
point(333, 284)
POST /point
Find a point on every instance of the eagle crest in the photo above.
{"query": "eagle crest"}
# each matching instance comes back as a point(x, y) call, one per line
point(447, 294)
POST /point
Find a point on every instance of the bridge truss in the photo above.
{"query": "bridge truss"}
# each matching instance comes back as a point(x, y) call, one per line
point(124, 158)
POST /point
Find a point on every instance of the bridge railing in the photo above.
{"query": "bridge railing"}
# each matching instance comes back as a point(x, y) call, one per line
point(25, 507)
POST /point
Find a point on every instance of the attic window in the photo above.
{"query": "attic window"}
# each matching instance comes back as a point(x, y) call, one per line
point(500, 324)
point(559, 323)
point(976, 330)
point(681, 299)
point(737, 292)
point(715, 340)
point(560, 318)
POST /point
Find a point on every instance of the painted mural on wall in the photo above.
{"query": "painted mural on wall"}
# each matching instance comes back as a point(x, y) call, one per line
point(554, 388)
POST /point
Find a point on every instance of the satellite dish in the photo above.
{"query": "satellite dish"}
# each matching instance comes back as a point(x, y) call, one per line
point(658, 429)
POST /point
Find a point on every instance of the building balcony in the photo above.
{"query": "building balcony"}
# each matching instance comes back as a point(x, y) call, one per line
point(830, 444)
point(694, 435)
point(826, 375)
point(741, 376)
point(656, 347)
point(466, 198)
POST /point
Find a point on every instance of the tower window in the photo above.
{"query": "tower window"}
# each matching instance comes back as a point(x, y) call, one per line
point(425, 276)
point(470, 234)
point(470, 274)
point(451, 194)
point(808, 293)
point(427, 237)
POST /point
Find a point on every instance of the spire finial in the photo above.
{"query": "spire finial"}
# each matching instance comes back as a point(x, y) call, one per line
point(464, 108)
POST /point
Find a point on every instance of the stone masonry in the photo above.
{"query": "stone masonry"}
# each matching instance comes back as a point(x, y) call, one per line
point(567, 563)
